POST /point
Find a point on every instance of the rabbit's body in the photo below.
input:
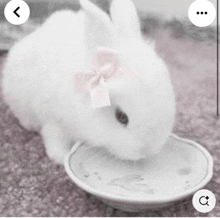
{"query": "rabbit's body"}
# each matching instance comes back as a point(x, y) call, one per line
point(38, 85)
point(27, 72)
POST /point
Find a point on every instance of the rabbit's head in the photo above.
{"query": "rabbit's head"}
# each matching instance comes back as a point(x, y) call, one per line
point(141, 115)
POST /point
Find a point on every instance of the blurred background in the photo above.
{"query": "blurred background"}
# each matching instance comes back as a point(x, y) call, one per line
point(155, 15)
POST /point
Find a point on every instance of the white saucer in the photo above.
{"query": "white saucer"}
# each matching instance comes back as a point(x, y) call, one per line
point(182, 168)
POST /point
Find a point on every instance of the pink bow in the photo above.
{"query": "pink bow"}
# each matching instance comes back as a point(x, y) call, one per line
point(106, 67)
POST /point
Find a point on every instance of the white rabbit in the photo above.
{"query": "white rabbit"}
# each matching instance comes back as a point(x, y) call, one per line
point(38, 84)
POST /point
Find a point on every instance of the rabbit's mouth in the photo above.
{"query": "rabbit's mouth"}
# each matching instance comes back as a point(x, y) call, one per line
point(131, 155)
point(120, 151)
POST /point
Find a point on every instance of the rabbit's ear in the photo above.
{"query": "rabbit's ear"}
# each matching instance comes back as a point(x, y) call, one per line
point(125, 18)
point(99, 30)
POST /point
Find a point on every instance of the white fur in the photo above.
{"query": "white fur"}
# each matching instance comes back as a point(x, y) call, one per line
point(38, 84)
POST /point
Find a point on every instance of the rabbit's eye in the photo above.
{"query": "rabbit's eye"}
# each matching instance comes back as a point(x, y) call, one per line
point(121, 117)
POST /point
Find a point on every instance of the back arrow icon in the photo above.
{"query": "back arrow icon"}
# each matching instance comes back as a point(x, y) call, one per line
point(15, 11)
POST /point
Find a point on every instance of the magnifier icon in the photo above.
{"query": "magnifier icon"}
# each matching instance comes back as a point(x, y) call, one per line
point(204, 203)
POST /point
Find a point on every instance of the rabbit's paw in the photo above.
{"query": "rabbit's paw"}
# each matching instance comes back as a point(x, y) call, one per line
point(56, 153)
point(55, 143)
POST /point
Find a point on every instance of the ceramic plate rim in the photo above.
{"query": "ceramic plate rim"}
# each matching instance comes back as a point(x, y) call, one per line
point(114, 197)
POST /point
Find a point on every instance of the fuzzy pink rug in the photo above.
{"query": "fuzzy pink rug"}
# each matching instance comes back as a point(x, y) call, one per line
point(31, 185)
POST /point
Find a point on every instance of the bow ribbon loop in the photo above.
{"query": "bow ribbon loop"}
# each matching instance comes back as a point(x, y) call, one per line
point(106, 66)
